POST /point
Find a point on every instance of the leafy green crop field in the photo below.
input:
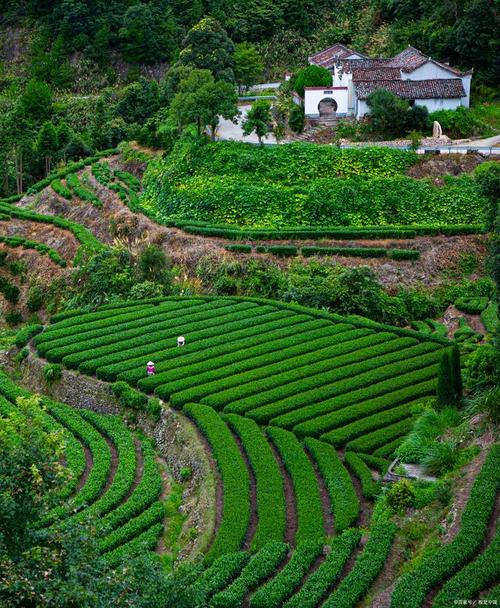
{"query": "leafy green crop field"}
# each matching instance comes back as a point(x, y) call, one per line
point(302, 411)
point(303, 185)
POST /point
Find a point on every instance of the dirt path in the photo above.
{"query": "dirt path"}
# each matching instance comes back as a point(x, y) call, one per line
point(252, 524)
point(139, 468)
point(160, 548)
point(89, 463)
point(290, 502)
point(114, 466)
point(326, 503)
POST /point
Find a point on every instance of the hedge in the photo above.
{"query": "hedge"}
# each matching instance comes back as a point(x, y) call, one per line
point(305, 485)
point(147, 541)
point(473, 306)
point(72, 167)
point(363, 252)
point(375, 462)
point(252, 329)
point(489, 317)
point(360, 470)
point(370, 350)
point(274, 593)
point(84, 236)
point(239, 248)
point(222, 572)
point(309, 372)
point(317, 233)
point(235, 480)
point(329, 572)
point(343, 497)
point(404, 254)
point(261, 565)
point(370, 386)
point(115, 430)
point(25, 334)
point(386, 430)
point(130, 180)
point(473, 578)
point(270, 493)
point(367, 567)
point(82, 192)
point(246, 359)
point(413, 587)
point(292, 352)
point(124, 327)
point(101, 458)
point(147, 491)
point(357, 432)
point(61, 189)
point(387, 450)
point(19, 241)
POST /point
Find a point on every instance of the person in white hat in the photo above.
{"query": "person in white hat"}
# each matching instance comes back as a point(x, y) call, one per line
point(150, 368)
point(181, 341)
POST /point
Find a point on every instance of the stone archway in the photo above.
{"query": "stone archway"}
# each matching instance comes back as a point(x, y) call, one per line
point(327, 107)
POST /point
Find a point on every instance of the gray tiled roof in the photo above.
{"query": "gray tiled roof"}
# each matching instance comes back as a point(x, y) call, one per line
point(443, 88)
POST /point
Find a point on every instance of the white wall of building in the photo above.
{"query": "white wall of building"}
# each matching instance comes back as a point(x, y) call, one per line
point(312, 97)
point(439, 104)
point(431, 71)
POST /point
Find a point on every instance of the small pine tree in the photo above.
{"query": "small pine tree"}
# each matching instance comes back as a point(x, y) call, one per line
point(445, 384)
point(456, 372)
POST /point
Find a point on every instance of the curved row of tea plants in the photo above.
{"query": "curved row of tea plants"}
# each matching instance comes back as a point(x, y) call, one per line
point(125, 503)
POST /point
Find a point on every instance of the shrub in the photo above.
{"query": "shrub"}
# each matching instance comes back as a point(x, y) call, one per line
point(457, 123)
point(401, 495)
point(186, 473)
point(13, 317)
point(296, 118)
point(35, 298)
point(129, 397)
point(440, 457)
point(52, 373)
point(10, 291)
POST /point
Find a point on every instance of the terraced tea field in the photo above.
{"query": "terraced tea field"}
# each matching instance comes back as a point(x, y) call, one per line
point(301, 411)
point(115, 478)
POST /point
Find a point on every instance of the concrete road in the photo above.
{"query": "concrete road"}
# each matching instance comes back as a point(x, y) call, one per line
point(228, 130)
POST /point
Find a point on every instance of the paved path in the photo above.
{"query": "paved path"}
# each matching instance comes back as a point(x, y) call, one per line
point(230, 131)
point(486, 143)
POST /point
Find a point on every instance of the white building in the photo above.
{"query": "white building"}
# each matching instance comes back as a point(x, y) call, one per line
point(410, 75)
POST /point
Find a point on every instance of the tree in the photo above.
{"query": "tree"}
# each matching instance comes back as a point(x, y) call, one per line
point(208, 47)
point(388, 113)
point(248, 65)
point(445, 384)
point(311, 76)
point(46, 144)
point(258, 119)
point(201, 100)
point(153, 265)
point(36, 101)
point(296, 118)
point(138, 101)
point(148, 34)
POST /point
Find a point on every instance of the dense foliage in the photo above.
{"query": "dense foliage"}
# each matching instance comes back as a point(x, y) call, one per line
point(298, 184)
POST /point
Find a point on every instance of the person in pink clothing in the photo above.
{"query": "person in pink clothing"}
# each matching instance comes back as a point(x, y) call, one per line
point(150, 368)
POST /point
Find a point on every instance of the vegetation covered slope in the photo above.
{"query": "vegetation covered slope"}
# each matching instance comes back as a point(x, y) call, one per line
point(301, 184)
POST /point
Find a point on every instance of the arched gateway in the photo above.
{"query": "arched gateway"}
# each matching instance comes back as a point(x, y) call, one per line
point(327, 107)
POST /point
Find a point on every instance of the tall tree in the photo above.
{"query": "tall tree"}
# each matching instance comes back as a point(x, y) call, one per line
point(248, 65)
point(46, 144)
point(201, 100)
point(208, 47)
point(148, 34)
